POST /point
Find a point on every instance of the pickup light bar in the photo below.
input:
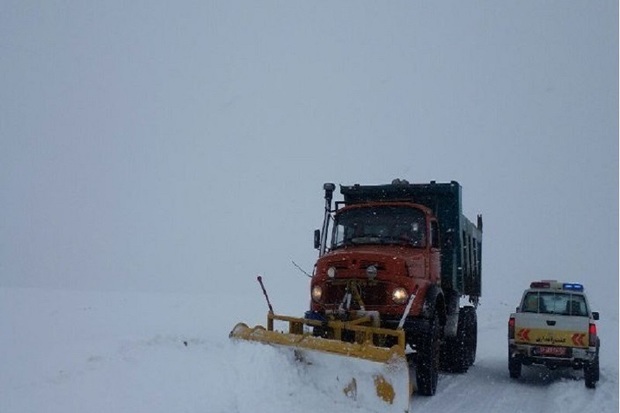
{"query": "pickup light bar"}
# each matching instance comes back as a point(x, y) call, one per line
point(572, 287)
point(555, 285)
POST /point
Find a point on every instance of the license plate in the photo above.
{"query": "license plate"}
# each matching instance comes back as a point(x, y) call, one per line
point(550, 351)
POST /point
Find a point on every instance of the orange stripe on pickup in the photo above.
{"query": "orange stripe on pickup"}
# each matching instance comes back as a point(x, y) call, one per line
point(540, 336)
point(579, 339)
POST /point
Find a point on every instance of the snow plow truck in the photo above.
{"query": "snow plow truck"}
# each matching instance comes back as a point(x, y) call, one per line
point(395, 263)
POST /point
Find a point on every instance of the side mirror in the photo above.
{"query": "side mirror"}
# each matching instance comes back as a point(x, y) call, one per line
point(595, 315)
point(317, 239)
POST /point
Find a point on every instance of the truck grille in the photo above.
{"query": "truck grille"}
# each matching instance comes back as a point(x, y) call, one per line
point(372, 294)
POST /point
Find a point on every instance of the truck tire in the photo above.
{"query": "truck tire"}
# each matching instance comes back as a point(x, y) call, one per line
point(514, 367)
point(459, 353)
point(427, 367)
point(471, 337)
point(453, 354)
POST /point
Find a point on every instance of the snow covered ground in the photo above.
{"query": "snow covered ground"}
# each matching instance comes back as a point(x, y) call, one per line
point(84, 351)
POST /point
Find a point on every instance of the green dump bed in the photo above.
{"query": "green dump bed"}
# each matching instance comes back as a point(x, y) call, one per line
point(461, 240)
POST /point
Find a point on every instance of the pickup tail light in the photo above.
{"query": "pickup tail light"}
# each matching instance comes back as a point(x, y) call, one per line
point(511, 328)
point(592, 335)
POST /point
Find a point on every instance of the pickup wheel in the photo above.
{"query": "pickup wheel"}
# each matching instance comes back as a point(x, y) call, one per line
point(591, 372)
point(427, 368)
point(514, 367)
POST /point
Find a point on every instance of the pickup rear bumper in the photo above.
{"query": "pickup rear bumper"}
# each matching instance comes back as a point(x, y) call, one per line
point(528, 354)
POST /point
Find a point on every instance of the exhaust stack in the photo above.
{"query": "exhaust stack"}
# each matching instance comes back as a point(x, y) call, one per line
point(329, 192)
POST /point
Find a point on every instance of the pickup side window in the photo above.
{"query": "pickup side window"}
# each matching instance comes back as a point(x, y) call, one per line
point(555, 303)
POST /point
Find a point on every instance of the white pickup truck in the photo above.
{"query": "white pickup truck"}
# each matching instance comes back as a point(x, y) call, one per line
point(554, 326)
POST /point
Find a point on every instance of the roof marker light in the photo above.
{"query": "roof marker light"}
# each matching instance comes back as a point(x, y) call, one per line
point(540, 284)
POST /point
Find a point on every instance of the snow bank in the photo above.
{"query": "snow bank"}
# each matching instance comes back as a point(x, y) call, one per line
point(70, 351)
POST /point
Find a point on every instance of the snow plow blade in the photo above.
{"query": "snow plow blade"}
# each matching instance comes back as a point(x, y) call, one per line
point(371, 367)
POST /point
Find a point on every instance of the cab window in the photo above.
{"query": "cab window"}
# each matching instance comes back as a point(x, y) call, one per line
point(380, 225)
point(555, 303)
point(532, 303)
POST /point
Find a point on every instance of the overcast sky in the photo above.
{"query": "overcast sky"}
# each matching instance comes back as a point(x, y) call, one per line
point(174, 146)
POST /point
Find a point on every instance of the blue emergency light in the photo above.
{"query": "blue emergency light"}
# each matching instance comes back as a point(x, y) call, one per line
point(572, 287)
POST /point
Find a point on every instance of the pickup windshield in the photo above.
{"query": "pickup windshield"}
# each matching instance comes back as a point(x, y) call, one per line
point(379, 225)
point(554, 303)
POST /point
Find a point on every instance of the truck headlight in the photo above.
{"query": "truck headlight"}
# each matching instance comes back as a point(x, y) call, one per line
point(331, 272)
point(317, 293)
point(399, 295)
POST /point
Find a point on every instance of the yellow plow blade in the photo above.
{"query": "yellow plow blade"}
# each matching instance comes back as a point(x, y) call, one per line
point(363, 370)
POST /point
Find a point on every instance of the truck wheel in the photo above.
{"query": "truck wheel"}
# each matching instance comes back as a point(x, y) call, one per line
point(514, 367)
point(446, 354)
point(453, 358)
point(471, 336)
point(458, 353)
point(427, 367)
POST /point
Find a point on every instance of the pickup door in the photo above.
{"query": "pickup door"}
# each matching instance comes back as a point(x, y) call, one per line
point(554, 321)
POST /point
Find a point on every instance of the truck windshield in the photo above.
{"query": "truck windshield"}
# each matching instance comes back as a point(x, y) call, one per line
point(380, 225)
point(555, 303)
